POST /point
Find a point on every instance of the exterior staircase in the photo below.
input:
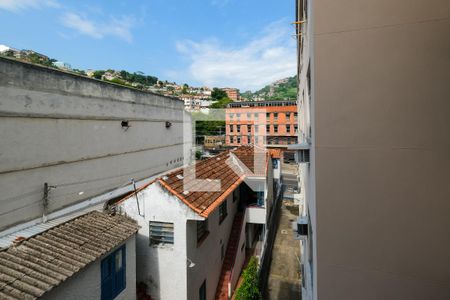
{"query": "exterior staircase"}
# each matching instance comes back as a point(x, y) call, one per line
point(230, 255)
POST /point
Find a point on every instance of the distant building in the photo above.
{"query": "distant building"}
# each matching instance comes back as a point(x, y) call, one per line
point(214, 142)
point(88, 257)
point(62, 65)
point(263, 123)
point(232, 93)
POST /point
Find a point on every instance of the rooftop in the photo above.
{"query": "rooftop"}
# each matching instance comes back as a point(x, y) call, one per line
point(262, 103)
point(229, 167)
point(36, 265)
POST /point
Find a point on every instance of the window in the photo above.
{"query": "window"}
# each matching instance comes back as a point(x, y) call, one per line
point(249, 115)
point(255, 115)
point(288, 116)
point(267, 115)
point(238, 116)
point(238, 139)
point(275, 128)
point(275, 116)
point(223, 211)
point(238, 128)
point(113, 272)
point(267, 128)
point(202, 291)
point(296, 128)
point(202, 229)
point(231, 116)
point(249, 128)
point(161, 233)
point(295, 115)
point(235, 195)
point(230, 127)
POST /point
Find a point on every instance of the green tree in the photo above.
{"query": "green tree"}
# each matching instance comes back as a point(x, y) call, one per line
point(222, 103)
point(218, 94)
point(198, 155)
point(98, 74)
point(249, 289)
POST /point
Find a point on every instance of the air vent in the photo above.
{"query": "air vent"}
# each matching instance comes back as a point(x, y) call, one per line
point(303, 156)
point(302, 226)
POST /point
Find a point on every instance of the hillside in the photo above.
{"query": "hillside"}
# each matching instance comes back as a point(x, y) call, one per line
point(282, 89)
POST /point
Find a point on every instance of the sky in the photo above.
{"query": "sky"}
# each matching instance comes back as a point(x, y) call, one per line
point(225, 43)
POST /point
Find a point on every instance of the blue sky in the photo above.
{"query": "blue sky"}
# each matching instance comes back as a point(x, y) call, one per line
point(239, 43)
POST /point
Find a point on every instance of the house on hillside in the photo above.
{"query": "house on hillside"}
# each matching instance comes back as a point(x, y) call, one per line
point(199, 223)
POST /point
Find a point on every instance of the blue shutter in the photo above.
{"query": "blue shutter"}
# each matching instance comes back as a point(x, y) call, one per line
point(107, 278)
point(113, 280)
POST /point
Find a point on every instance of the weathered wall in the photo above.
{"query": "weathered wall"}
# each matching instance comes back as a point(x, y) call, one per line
point(87, 283)
point(66, 130)
point(382, 148)
point(207, 256)
point(160, 267)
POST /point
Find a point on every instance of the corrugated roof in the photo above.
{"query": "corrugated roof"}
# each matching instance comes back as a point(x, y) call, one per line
point(36, 265)
point(230, 167)
point(32, 230)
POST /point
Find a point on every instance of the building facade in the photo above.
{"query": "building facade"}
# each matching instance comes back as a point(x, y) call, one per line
point(196, 240)
point(263, 123)
point(232, 93)
point(80, 136)
point(373, 149)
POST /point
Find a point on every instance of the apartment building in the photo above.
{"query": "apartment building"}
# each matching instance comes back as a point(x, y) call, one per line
point(271, 124)
point(232, 93)
point(374, 148)
point(197, 230)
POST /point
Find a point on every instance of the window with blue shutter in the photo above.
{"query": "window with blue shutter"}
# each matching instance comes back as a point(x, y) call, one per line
point(113, 274)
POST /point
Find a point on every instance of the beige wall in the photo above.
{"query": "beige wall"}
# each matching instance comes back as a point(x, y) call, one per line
point(381, 112)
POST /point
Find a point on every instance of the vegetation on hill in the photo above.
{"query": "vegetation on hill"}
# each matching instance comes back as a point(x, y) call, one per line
point(284, 89)
point(221, 98)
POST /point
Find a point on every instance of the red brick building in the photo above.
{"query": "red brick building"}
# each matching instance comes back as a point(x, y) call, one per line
point(232, 93)
point(263, 123)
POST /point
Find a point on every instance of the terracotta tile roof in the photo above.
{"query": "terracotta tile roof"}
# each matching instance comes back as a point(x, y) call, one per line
point(36, 265)
point(230, 167)
point(275, 153)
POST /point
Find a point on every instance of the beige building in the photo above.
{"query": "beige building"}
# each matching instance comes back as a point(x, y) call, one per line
point(374, 107)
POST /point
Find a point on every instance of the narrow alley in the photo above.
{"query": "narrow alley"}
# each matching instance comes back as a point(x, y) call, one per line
point(284, 276)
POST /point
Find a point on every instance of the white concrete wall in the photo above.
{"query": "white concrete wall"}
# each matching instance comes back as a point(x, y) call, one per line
point(256, 215)
point(66, 130)
point(207, 256)
point(86, 284)
point(162, 268)
point(240, 257)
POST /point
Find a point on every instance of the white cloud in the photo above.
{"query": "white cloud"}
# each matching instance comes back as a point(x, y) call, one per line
point(270, 56)
point(118, 27)
point(16, 5)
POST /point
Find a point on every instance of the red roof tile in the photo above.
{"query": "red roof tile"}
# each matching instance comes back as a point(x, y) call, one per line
point(230, 167)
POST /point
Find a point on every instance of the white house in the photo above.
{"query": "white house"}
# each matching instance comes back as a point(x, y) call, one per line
point(198, 223)
point(89, 257)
